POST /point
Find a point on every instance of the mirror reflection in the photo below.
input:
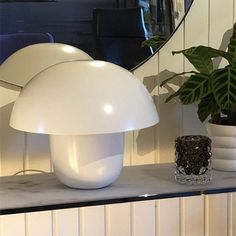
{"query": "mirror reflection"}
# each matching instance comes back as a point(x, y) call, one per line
point(124, 32)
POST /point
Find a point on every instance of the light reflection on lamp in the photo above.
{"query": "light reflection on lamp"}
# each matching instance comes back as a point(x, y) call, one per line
point(86, 135)
point(108, 109)
point(69, 49)
point(98, 63)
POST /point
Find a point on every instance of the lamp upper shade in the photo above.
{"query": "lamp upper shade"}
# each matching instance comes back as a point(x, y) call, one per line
point(24, 64)
point(83, 97)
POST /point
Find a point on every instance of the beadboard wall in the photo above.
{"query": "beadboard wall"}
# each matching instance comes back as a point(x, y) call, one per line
point(213, 215)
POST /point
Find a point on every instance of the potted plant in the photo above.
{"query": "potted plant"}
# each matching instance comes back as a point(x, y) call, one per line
point(214, 89)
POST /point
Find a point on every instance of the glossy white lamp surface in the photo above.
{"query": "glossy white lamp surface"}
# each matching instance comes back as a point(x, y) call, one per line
point(85, 106)
point(25, 63)
point(83, 97)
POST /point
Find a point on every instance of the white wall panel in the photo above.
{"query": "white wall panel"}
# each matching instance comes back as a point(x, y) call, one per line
point(220, 30)
point(144, 140)
point(39, 223)
point(220, 20)
point(233, 214)
point(12, 144)
point(170, 113)
point(193, 216)
point(230, 212)
point(219, 33)
point(194, 36)
point(12, 225)
point(37, 155)
point(92, 220)
point(217, 215)
point(118, 220)
point(8, 95)
point(128, 149)
point(169, 217)
point(143, 218)
point(144, 152)
point(66, 222)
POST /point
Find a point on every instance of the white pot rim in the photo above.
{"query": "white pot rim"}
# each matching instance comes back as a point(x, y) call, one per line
point(216, 130)
point(225, 165)
point(210, 123)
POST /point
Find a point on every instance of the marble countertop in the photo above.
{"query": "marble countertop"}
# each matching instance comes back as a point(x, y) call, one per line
point(38, 192)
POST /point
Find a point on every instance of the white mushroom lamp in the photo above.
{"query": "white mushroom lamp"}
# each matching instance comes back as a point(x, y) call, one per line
point(85, 107)
point(25, 63)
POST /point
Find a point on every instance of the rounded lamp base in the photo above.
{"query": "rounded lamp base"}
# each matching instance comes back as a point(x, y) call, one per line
point(87, 161)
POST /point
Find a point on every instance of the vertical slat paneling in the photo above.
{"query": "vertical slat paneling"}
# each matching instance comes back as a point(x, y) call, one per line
point(144, 152)
point(230, 214)
point(37, 157)
point(220, 30)
point(38, 152)
point(170, 113)
point(193, 216)
point(193, 37)
point(169, 128)
point(219, 25)
point(128, 148)
point(39, 223)
point(11, 153)
point(12, 225)
point(118, 220)
point(234, 215)
point(66, 222)
point(217, 205)
point(144, 141)
point(12, 144)
point(8, 95)
point(168, 217)
point(217, 215)
point(144, 217)
point(92, 221)
point(196, 34)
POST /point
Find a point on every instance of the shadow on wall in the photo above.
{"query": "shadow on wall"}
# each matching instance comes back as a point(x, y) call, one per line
point(16, 147)
point(223, 46)
point(159, 95)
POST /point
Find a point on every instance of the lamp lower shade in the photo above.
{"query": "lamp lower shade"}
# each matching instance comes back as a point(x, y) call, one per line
point(87, 161)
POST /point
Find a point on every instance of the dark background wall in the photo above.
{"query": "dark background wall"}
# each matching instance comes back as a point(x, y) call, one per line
point(69, 21)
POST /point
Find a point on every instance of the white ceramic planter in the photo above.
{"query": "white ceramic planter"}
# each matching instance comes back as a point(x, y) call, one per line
point(223, 146)
point(226, 165)
point(87, 161)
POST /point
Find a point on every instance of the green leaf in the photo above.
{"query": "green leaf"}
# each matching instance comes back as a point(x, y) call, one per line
point(175, 75)
point(196, 87)
point(201, 57)
point(207, 106)
point(224, 87)
point(154, 42)
point(232, 47)
point(176, 94)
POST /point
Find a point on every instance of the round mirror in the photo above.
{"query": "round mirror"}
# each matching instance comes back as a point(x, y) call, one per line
point(124, 32)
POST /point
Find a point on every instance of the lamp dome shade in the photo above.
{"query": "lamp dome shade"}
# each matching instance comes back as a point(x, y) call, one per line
point(25, 63)
point(83, 97)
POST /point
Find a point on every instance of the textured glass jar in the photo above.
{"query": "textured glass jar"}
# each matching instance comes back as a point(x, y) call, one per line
point(193, 159)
